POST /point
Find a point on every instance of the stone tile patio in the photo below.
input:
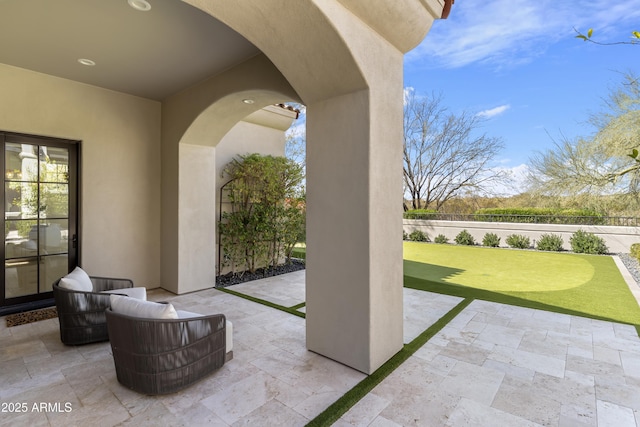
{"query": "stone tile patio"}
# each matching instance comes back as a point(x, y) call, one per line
point(492, 365)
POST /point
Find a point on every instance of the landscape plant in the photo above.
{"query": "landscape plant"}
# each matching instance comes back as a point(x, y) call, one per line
point(518, 241)
point(635, 251)
point(550, 242)
point(267, 212)
point(491, 239)
point(418, 236)
point(583, 242)
point(464, 238)
point(441, 238)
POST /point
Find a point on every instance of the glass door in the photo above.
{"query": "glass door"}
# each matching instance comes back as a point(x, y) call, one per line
point(40, 220)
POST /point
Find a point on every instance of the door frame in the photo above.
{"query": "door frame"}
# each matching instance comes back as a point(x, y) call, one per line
point(44, 299)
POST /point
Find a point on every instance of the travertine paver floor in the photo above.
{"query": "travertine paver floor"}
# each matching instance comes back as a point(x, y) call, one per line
point(498, 365)
point(493, 365)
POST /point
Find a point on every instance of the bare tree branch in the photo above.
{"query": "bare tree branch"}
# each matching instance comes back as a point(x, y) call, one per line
point(443, 156)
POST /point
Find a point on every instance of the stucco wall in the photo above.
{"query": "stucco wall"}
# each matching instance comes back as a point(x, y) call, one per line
point(119, 165)
point(618, 239)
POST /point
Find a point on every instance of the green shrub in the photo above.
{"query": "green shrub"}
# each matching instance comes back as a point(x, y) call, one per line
point(635, 251)
point(405, 236)
point(491, 240)
point(518, 241)
point(267, 215)
point(419, 214)
point(418, 236)
point(587, 243)
point(550, 242)
point(441, 238)
point(464, 238)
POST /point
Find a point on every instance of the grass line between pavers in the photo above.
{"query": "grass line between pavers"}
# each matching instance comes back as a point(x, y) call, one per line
point(360, 390)
point(289, 310)
point(298, 306)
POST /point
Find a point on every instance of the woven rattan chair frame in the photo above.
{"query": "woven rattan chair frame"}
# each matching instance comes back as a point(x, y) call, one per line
point(161, 356)
point(81, 314)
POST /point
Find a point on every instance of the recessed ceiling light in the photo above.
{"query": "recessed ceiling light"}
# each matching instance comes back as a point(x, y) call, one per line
point(248, 101)
point(87, 62)
point(141, 5)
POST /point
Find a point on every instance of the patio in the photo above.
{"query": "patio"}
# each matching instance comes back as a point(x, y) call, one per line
point(491, 365)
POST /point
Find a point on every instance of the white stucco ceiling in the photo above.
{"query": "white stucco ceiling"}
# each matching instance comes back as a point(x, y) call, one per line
point(151, 54)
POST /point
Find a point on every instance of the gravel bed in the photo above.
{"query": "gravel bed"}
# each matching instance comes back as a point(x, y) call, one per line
point(632, 265)
point(234, 279)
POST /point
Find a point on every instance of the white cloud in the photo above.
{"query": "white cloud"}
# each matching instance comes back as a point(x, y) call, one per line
point(516, 183)
point(487, 114)
point(507, 32)
point(407, 93)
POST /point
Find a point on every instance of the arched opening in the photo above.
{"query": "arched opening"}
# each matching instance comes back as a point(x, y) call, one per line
point(348, 72)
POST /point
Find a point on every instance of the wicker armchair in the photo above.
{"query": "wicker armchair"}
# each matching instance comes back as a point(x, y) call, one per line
point(161, 356)
point(81, 314)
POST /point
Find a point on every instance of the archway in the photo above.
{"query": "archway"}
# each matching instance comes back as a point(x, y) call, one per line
point(347, 69)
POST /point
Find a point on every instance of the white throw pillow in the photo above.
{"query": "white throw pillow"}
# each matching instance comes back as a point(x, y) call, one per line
point(70, 284)
point(77, 280)
point(143, 309)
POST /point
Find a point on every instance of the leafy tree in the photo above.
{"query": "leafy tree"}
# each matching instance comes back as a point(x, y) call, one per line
point(267, 214)
point(443, 153)
point(607, 162)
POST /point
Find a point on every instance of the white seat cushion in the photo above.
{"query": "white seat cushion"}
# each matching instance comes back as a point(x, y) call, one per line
point(143, 309)
point(137, 292)
point(77, 280)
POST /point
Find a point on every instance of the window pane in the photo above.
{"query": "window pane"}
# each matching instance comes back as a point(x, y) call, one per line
point(21, 162)
point(21, 277)
point(20, 238)
point(54, 200)
point(53, 237)
point(51, 269)
point(21, 200)
point(54, 164)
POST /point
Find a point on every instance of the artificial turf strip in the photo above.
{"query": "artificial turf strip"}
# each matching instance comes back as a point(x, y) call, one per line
point(353, 396)
point(298, 306)
point(583, 285)
point(290, 310)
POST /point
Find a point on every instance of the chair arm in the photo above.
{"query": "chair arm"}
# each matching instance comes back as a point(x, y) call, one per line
point(74, 302)
point(109, 283)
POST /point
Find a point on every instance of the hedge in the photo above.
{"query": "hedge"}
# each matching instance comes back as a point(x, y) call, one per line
point(420, 214)
point(540, 215)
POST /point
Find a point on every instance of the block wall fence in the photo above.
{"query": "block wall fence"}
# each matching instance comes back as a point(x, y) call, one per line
point(618, 239)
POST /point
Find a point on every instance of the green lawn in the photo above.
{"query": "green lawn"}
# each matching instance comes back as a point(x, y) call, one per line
point(587, 285)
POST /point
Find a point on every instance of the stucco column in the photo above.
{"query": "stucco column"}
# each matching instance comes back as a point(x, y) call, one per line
point(196, 217)
point(354, 225)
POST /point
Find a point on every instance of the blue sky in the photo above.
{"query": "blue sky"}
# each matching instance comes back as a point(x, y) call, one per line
point(518, 63)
